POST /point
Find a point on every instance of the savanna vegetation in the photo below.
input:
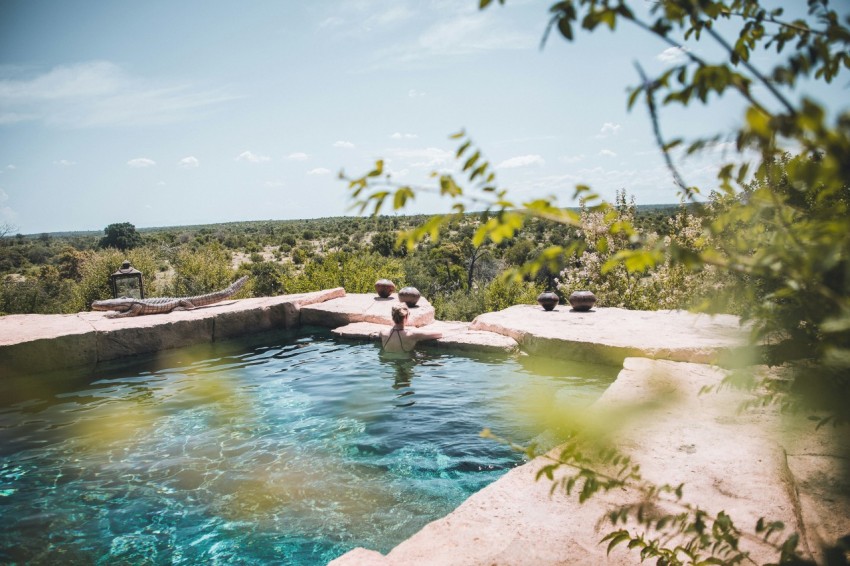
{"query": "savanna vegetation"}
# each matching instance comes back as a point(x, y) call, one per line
point(64, 273)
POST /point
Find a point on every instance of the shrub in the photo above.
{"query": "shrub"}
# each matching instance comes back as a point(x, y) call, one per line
point(202, 271)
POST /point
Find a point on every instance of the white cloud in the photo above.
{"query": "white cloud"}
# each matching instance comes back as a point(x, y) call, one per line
point(3, 196)
point(140, 162)
point(319, 171)
point(413, 93)
point(572, 158)
point(10, 167)
point(189, 162)
point(345, 144)
point(297, 156)
point(251, 157)
point(608, 129)
point(673, 55)
point(473, 32)
point(422, 158)
point(607, 153)
point(521, 161)
point(400, 136)
point(65, 163)
point(99, 93)
point(398, 173)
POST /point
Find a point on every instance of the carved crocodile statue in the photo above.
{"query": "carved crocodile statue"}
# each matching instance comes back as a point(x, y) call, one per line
point(128, 306)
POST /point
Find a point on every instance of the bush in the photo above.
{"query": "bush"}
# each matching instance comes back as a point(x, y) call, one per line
point(268, 279)
point(202, 271)
point(357, 273)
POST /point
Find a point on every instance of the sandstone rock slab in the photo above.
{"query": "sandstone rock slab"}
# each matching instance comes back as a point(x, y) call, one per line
point(34, 343)
point(609, 335)
point(456, 337)
point(360, 307)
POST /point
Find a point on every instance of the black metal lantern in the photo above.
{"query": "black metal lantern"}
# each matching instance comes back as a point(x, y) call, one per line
point(127, 282)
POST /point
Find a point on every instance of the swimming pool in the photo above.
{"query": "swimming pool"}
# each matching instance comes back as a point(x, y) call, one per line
point(288, 448)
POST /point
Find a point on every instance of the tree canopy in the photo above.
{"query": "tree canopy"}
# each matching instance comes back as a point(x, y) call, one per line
point(122, 236)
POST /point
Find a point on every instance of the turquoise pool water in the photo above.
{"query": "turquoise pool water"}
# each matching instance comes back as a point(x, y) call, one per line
point(290, 448)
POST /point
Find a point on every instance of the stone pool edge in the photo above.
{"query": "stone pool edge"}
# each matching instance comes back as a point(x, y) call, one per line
point(38, 343)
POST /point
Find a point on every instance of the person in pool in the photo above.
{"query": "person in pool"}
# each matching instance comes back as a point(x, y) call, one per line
point(400, 339)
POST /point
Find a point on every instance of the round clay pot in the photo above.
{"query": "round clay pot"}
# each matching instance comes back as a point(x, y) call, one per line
point(384, 288)
point(548, 300)
point(582, 300)
point(409, 296)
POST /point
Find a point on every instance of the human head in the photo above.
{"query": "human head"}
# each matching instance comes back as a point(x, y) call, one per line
point(399, 313)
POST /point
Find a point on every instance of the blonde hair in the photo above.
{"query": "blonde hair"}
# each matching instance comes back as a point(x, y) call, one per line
point(399, 313)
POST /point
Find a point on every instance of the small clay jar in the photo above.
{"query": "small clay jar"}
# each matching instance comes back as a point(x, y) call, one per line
point(384, 288)
point(548, 300)
point(409, 296)
point(582, 301)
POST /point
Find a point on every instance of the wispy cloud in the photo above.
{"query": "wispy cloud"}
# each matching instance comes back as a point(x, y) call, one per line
point(608, 129)
point(428, 157)
point(319, 171)
point(298, 156)
point(413, 93)
point(344, 144)
point(274, 184)
point(251, 157)
point(400, 136)
point(521, 161)
point(97, 94)
point(674, 55)
point(141, 162)
point(64, 163)
point(572, 158)
point(457, 31)
point(607, 153)
point(190, 162)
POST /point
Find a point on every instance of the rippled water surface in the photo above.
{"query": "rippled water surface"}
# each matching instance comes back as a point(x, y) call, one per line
point(290, 448)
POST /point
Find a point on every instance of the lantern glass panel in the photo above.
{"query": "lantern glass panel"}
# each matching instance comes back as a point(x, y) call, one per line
point(128, 286)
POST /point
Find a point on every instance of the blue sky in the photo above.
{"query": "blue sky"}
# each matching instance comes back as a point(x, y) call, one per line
point(174, 113)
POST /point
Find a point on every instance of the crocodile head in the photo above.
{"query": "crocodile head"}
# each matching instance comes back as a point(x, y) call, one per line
point(121, 305)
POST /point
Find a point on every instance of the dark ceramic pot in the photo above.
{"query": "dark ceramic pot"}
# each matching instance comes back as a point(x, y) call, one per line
point(548, 300)
point(582, 300)
point(409, 296)
point(384, 288)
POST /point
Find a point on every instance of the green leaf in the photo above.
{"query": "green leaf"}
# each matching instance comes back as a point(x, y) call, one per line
point(615, 539)
point(566, 28)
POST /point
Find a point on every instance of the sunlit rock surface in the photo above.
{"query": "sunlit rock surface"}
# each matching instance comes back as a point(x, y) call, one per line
point(36, 343)
point(456, 336)
point(609, 335)
point(358, 307)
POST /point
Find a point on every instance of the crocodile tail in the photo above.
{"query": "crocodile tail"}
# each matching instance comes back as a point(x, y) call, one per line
point(236, 285)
